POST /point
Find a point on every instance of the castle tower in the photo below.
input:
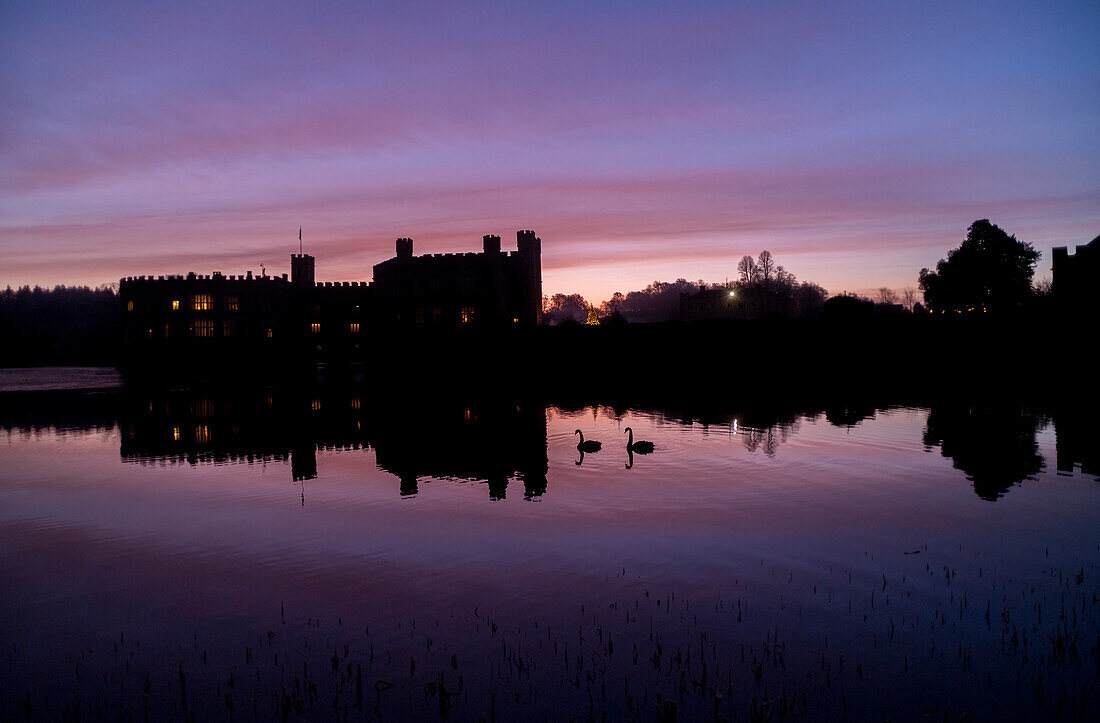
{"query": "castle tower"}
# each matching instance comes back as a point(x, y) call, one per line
point(529, 250)
point(301, 269)
point(404, 248)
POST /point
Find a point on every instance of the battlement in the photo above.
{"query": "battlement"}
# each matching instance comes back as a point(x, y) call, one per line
point(216, 277)
point(342, 284)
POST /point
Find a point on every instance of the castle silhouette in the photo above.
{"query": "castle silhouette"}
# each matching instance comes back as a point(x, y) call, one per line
point(196, 316)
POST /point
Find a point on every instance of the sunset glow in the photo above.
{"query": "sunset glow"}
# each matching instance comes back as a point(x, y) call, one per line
point(641, 141)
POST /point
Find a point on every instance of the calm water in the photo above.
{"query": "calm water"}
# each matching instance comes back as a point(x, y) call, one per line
point(261, 552)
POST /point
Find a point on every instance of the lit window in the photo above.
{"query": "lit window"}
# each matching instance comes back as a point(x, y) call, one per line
point(466, 316)
point(353, 327)
point(229, 328)
point(232, 303)
point(315, 405)
point(268, 333)
point(202, 327)
point(175, 434)
point(130, 305)
point(202, 434)
point(315, 328)
point(202, 302)
point(175, 304)
point(515, 319)
point(355, 402)
point(150, 334)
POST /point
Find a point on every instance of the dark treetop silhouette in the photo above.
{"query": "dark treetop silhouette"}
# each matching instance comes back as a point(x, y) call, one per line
point(989, 272)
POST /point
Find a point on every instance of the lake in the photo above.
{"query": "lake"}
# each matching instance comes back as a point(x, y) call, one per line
point(332, 550)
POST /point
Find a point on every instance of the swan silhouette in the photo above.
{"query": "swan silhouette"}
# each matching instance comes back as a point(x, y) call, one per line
point(641, 446)
point(589, 446)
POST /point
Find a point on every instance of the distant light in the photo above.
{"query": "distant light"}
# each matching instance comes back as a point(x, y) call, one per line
point(731, 294)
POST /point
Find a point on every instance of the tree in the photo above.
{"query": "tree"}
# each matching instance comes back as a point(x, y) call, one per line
point(909, 297)
point(613, 306)
point(766, 265)
point(562, 308)
point(886, 295)
point(990, 271)
point(748, 269)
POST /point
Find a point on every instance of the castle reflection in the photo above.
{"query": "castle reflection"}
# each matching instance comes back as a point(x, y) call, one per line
point(493, 441)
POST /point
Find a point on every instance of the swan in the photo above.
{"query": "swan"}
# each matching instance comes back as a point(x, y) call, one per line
point(589, 446)
point(641, 446)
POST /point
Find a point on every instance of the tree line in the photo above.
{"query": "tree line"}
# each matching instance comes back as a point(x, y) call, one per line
point(62, 325)
point(990, 272)
point(763, 288)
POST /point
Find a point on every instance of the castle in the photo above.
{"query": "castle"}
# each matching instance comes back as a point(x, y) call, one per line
point(208, 315)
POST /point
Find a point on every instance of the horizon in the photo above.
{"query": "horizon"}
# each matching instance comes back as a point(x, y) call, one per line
point(855, 141)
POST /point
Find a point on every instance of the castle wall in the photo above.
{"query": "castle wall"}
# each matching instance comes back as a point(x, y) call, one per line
point(197, 319)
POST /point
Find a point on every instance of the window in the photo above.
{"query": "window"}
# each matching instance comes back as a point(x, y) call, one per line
point(437, 314)
point(149, 334)
point(268, 333)
point(353, 327)
point(175, 434)
point(202, 327)
point(420, 316)
point(315, 328)
point(130, 305)
point(202, 302)
point(232, 303)
point(202, 434)
point(175, 304)
point(229, 327)
point(466, 316)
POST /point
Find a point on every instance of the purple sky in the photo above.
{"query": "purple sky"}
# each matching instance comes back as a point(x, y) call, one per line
point(641, 141)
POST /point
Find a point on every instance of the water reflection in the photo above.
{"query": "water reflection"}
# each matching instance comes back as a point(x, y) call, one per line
point(491, 441)
point(499, 440)
point(994, 445)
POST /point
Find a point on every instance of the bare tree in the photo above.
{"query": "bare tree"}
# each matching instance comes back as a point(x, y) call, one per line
point(748, 269)
point(767, 265)
point(887, 295)
point(909, 297)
